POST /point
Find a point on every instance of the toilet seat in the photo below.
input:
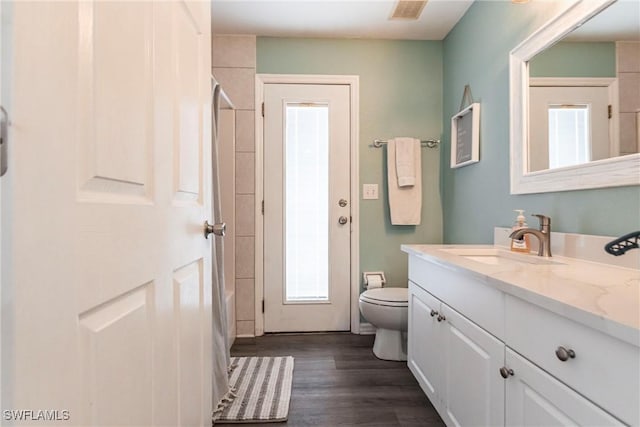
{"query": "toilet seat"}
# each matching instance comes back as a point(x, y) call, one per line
point(389, 297)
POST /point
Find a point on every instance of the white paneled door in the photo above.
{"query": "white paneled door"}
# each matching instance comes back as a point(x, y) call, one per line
point(307, 207)
point(107, 316)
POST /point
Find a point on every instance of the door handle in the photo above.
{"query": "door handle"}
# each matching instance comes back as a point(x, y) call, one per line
point(343, 220)
point(342, 203)
point(218, 229)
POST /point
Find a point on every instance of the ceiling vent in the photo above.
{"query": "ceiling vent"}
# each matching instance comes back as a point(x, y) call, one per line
point(408, 9)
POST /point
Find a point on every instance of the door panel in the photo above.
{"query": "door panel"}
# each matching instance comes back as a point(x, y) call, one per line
point(189, 304)
point(189, 120)
point(107, 370)
point(306, 173)
point(115, 90)
point(110, 312)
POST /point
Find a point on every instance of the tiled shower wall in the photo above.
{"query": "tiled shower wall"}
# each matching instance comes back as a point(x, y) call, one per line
point(628, 69)
point(234, 66)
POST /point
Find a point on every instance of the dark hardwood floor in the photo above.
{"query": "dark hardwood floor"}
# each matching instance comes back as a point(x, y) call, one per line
point(337, 381)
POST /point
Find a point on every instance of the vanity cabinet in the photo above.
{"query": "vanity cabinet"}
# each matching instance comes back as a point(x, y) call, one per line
point(499, 363)
point(455, 361)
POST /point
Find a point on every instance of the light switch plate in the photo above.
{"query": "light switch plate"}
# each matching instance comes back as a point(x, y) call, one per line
point(369, 191)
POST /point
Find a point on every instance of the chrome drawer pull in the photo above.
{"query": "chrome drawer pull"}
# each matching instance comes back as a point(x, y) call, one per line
point(433, 313)
point(441, 318)
point(564, 354)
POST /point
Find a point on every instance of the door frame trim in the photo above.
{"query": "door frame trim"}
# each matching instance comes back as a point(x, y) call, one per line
point(354, 92)
point(609, 82)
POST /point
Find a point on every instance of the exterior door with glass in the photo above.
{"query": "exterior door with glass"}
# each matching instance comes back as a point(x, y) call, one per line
point(572, 126)
point(307, 207)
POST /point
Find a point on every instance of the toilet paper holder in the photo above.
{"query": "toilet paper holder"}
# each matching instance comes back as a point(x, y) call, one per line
point(379, 274)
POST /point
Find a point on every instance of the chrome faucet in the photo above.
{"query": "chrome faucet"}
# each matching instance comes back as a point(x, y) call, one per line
point(543, 235)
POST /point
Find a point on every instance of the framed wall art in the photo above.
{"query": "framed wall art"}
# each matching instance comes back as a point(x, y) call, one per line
point(465, 136)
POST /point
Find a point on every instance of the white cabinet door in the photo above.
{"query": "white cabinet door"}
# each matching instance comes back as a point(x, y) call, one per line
point(535, 398)
point(425, 341)
point(473, 388)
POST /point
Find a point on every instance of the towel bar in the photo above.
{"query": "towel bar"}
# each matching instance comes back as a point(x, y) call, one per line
point(429, 143)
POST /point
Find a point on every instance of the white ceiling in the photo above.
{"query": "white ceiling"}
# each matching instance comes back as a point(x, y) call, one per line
point(334, 18)
point(620, 21)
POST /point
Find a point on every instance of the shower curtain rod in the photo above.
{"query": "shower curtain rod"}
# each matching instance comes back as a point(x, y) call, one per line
point(223, 94)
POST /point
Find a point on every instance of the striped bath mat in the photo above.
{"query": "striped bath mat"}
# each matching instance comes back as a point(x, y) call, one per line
point(263, 389)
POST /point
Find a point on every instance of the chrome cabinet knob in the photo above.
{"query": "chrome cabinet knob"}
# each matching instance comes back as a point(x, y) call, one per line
point(343, 220)
point(218, 229)
point(563, 354)
point(506, 372)
point(342, 203)
point(433, 313)
point(441, 318)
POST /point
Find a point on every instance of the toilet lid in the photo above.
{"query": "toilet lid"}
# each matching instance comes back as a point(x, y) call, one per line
point(396, 297)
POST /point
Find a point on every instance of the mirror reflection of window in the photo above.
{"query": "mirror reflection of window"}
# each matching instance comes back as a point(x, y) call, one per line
point(569, 141)
point(571, 106)
point(601, 57)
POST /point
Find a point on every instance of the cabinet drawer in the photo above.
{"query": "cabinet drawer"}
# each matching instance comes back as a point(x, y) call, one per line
point(535, 398)
point(465, 293)
point(604, 369)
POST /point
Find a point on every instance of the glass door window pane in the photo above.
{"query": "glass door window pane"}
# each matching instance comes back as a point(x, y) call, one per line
point(569, 135)
point(306, 203)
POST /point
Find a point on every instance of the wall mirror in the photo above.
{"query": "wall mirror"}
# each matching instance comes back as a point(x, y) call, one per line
point(575, 116)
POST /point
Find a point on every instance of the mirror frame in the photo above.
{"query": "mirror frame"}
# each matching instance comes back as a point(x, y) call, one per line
point(612, 172)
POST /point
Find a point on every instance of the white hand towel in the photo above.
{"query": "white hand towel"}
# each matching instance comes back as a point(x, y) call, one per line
point(405, 161)
point(405, 203)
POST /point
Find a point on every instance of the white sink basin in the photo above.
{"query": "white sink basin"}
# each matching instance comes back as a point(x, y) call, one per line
point(495, 256)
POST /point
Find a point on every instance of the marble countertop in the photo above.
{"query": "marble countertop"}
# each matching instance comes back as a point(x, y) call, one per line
point(601, 296)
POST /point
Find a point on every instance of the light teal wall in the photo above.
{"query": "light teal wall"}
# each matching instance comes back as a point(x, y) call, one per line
point(476, 198)
point(575, 59)
point(400, 95)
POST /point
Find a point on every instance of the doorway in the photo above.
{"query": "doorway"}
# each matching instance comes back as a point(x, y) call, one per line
point(307, 180)
point(573, 121)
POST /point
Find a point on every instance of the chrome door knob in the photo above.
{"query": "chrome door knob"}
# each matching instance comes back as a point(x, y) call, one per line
point(565, 354)
point(343, 220)
point(342, 203)
point(506, 372)
point(218, 229)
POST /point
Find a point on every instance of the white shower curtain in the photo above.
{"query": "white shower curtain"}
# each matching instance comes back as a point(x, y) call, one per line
point(221, 357)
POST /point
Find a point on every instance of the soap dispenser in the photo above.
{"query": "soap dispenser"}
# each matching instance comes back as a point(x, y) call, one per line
point(522, 244)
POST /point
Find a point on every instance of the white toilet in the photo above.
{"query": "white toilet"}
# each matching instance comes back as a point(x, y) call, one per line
point(386, 309)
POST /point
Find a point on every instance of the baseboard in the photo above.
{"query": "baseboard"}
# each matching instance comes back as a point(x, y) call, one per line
point(245, 336)
point(367, 329)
